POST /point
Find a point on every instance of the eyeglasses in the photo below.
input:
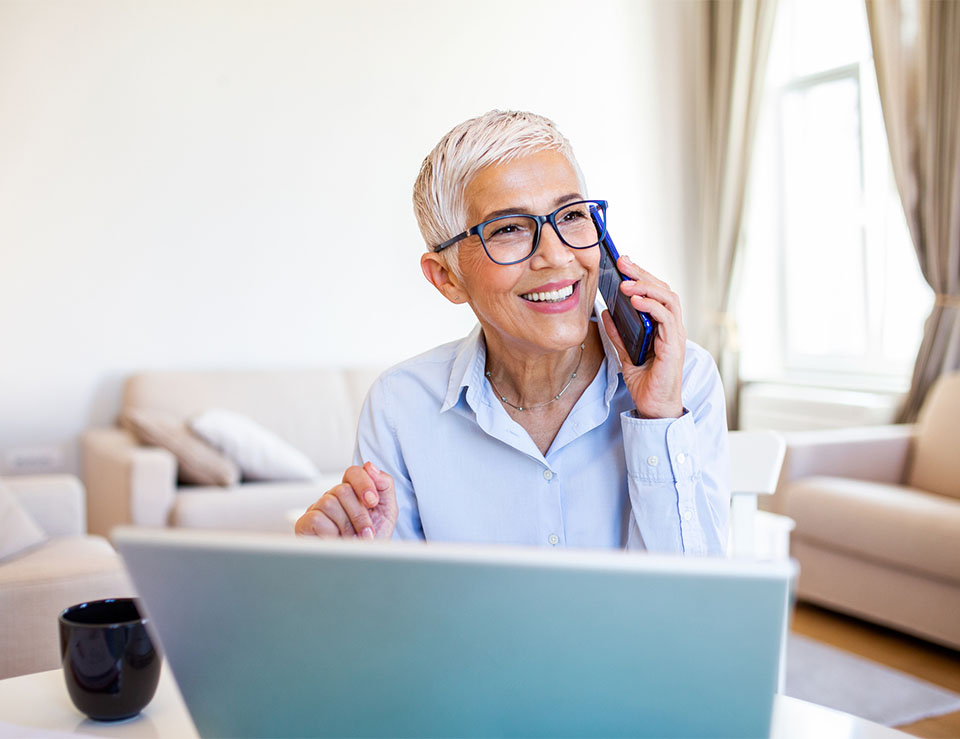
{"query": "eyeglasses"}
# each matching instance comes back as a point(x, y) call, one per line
point(514, 238)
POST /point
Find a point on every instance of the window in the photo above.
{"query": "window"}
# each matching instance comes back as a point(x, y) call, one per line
point(830, 291)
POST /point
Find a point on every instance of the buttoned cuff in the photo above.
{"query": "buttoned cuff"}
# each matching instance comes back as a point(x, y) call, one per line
point(659, 449)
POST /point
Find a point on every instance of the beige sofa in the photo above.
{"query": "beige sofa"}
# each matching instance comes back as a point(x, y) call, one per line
point(877, 514)
point(70, 567)
point(316, 411)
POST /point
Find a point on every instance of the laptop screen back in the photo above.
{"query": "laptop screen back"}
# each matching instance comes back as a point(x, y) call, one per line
point(279, 636)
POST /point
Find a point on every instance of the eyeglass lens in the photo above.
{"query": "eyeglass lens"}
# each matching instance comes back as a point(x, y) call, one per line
point(512, 238)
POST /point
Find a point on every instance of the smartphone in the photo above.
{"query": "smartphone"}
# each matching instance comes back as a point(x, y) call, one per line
point(636, 328)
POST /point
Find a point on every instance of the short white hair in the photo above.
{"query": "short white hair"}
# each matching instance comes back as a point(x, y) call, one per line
point(487, 140)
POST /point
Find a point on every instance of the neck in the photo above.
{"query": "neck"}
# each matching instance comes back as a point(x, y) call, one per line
point(528, 377)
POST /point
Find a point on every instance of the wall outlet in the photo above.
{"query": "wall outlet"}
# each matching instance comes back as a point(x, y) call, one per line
point(33, 460)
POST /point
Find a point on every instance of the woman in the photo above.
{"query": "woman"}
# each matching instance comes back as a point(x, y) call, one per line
point(535, 429)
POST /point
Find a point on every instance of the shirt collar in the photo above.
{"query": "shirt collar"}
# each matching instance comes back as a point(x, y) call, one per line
point(467, 370)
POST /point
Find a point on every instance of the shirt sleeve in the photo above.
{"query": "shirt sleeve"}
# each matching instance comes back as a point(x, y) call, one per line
point(678, 469)
point(377, 442)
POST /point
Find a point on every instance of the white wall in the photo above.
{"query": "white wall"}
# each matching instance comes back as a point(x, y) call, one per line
point(227, 184)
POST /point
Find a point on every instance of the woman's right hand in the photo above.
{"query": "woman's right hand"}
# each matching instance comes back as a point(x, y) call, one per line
point(363, 505)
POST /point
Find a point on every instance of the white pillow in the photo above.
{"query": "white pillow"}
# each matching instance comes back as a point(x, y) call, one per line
point(18, 530)
point(258, 452)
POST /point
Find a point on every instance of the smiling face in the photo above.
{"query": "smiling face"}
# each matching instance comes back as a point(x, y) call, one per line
point(543, 304)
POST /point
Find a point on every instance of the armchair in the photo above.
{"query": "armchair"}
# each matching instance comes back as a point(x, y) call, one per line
point(877, 514)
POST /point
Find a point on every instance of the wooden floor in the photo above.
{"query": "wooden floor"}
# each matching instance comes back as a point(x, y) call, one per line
point(922, 659)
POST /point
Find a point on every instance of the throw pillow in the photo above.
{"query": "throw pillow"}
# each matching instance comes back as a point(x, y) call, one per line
point(260, 453)
point(197, 462)
point(18, 531)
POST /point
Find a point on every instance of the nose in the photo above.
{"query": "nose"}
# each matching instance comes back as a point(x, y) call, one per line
point(551, 251)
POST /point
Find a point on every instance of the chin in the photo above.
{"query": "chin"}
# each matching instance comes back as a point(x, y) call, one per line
point(566, 337)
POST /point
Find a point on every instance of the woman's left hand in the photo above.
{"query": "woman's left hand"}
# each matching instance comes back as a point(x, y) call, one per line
point(654, 386)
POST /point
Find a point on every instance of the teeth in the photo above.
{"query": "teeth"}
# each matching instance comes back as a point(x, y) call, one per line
point(553, 296)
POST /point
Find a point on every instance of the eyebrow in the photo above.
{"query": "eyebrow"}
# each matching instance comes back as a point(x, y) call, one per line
point(571, 197)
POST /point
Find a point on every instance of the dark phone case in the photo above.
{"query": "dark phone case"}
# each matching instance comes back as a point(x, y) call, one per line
point(636, 328)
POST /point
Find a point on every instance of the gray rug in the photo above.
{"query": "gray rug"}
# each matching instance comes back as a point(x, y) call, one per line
point(831, 677)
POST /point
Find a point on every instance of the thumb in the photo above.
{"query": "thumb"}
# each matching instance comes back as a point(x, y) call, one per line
point(611, 328)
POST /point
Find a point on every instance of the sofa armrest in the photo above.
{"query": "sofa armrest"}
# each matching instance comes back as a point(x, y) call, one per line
point(873, 453)
point(126, 483)
point(55, 502)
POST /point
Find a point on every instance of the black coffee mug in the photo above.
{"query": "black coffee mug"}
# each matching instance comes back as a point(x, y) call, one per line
point(109, 663)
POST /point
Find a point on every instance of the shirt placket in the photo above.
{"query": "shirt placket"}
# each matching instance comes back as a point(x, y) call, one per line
point(550, 492)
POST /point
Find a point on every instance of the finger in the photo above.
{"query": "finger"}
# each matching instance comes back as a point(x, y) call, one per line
point(363, 484)
point(629, 269)
point(647, 289)
point(356, 511)
point(611, 328)
point(652, 296)
point(331, 507)
point(314, 523)
point(665, 320)
point(654, 308)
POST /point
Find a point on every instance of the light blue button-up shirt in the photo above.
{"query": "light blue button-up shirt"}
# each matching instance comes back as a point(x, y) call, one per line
point(465, 471)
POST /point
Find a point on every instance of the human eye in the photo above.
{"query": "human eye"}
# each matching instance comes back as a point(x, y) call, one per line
point(509, 228)
point(574, 212)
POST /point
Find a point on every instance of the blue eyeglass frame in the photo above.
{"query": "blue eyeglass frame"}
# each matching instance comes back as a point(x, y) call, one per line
point(551, 218)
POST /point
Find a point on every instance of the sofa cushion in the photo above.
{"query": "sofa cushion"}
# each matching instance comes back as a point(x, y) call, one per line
point(258, 452)
point(935, 465)
point(19, 532)
point(892, 524)
point(254, 506)
point(198, 463)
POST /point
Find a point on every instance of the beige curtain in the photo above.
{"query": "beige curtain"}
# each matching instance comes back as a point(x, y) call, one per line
point(735, 44)
point(916, 49)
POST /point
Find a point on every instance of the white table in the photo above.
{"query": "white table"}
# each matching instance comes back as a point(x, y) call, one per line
point(39, 702)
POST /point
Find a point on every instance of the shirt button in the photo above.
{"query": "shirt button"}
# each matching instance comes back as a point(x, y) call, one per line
point(687, 515)
point(652, 460)
point(681, 458)
point(553, 539)
point(547, 475)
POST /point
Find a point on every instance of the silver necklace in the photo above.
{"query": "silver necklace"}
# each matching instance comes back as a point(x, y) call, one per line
point(546, 402)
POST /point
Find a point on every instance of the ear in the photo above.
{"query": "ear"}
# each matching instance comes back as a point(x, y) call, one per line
point(439, 275)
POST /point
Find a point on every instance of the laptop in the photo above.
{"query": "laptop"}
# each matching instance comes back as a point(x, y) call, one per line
point(275, 635)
